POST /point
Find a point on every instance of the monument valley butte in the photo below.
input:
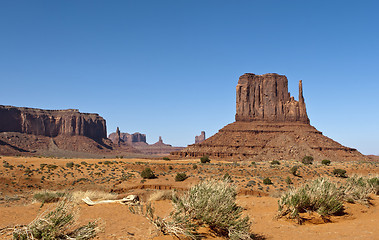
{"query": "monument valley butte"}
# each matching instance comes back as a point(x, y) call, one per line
point(269, 150)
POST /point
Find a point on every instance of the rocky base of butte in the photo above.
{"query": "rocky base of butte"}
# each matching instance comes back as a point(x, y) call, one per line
point(270, 125)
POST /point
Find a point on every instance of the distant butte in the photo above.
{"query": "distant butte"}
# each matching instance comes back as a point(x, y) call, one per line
point(270, 125)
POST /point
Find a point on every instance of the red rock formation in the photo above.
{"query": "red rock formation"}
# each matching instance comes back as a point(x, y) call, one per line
point(200, 138)
point(128, 138)
point(270, 125)
point(51, 123)
point(138, 141)
point(266, 98)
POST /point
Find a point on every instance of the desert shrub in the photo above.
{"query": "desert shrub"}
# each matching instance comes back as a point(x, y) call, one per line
point(52, 166)
point(84, 163)
point(307, 160)
point(48, 196)
point(293, 170)
point(325, 162)
point(70, 165)
point(205, 159)
point(180, 177)
point(7, 165)
point(212, 203)
point(194, 166)
point(289, 181)
point(339, 173)
point(357, 189)
point(166, 158)
point(170, 167)
point(275, 162)
point(42, 165)
point(374, 185)
point(253, 163)
point(321, 196)
point(267, 181)
point(56, 224)
point(227, 177)
point(147, 173)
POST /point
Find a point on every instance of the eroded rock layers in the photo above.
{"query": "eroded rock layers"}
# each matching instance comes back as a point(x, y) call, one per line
point(266, 98)
point(270, 125)
point(52, 123)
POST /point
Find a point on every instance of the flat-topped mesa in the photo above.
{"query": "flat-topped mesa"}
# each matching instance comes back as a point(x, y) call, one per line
point(266, 98)
point(52, 123)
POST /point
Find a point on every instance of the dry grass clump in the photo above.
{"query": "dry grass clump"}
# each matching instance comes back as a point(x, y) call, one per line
point(209, 203)
point(47, 196)
point(321, 196)
point(358, 189)
point(58, 223)
point(160, 195)
point(325, 197)
point(212, 203)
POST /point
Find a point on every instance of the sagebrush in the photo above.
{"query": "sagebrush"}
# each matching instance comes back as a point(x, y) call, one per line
point(57, 224)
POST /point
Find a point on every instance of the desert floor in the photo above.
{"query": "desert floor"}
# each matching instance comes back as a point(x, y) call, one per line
point(22, 177)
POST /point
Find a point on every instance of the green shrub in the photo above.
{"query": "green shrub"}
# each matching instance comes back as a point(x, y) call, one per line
point(70, 165)
point(194, 166)
point(275, 162)
point(293, 170)
point(339, 173)
point(289, 181)
point(166, 158)
point(170, 167)
point(52, 166)
point(205, 159)
point(325, 162)
point(267, 181)
point(374, 185)
point(321, 196)
point(227, 177)
point(180, 177)
point(147, 173)
point(307, 160)
point(212, 203)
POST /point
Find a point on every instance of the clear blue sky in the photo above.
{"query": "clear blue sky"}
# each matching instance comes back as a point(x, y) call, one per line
point(170, 68)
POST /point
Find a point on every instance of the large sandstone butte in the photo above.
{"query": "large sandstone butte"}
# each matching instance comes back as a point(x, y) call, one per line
point(270, 125)
point(52, 123)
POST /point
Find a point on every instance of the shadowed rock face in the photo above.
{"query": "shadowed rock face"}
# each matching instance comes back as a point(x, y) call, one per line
point(266, 98)
point(52, 123)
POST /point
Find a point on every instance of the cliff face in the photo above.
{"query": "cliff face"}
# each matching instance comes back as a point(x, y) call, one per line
point(266, 98)
point(51, 123)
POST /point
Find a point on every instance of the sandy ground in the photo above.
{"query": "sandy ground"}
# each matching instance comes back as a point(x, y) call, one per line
point(19, 183)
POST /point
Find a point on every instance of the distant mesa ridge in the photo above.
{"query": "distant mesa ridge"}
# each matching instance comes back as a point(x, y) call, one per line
point(270, 125)
point(138, 141)
point(52, 123)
